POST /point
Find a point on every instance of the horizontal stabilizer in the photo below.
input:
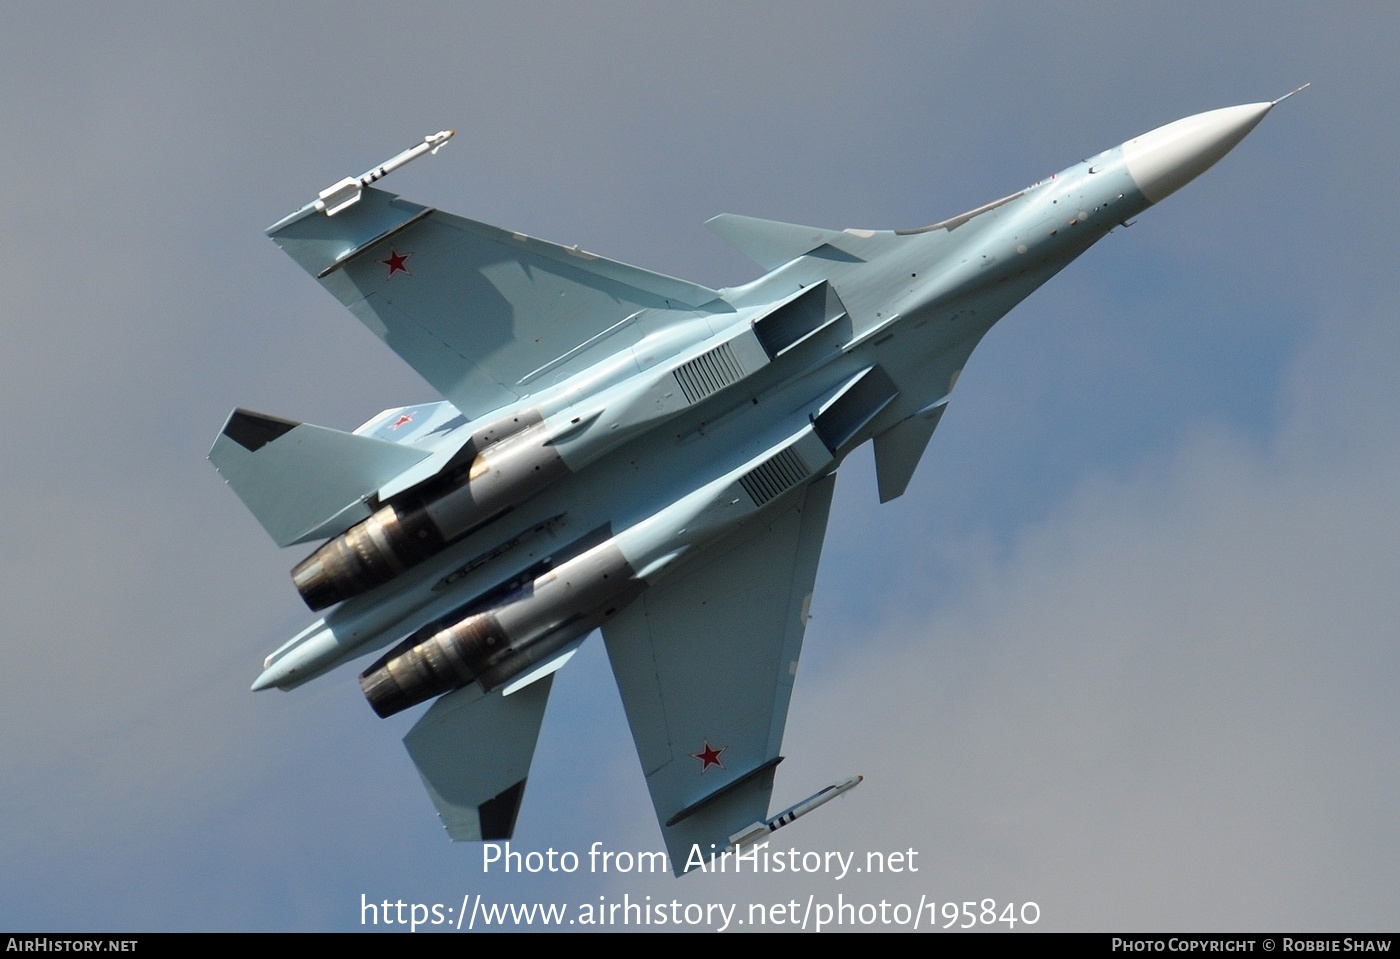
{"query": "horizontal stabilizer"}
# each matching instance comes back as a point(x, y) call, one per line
point(304, 482)
point(473, 750)
point(899, 449)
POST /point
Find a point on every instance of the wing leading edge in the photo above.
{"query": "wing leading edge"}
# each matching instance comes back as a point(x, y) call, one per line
point(705, 663)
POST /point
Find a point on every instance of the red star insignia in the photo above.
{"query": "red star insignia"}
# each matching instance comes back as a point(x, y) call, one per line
point(397, 262)
point(401, 421)
point(709, 756)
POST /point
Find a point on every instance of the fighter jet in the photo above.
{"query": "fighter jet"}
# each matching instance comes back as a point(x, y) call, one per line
point(626, 451)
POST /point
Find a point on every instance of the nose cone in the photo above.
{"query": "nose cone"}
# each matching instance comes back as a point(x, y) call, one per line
point(1164, 160)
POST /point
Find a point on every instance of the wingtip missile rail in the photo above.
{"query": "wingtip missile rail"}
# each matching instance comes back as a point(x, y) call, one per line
point(346, 193)
point(761, 830)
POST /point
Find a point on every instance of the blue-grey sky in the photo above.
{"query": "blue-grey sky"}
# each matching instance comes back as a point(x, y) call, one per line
point(1126, 648)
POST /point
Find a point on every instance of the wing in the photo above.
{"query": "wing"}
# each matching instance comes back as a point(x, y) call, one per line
point(473, 751)
point(705, 662)
point(481, 313)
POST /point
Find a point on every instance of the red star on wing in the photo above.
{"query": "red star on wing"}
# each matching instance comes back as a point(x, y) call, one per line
point(397, 263)
point(709, 756)
point(401, 421)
